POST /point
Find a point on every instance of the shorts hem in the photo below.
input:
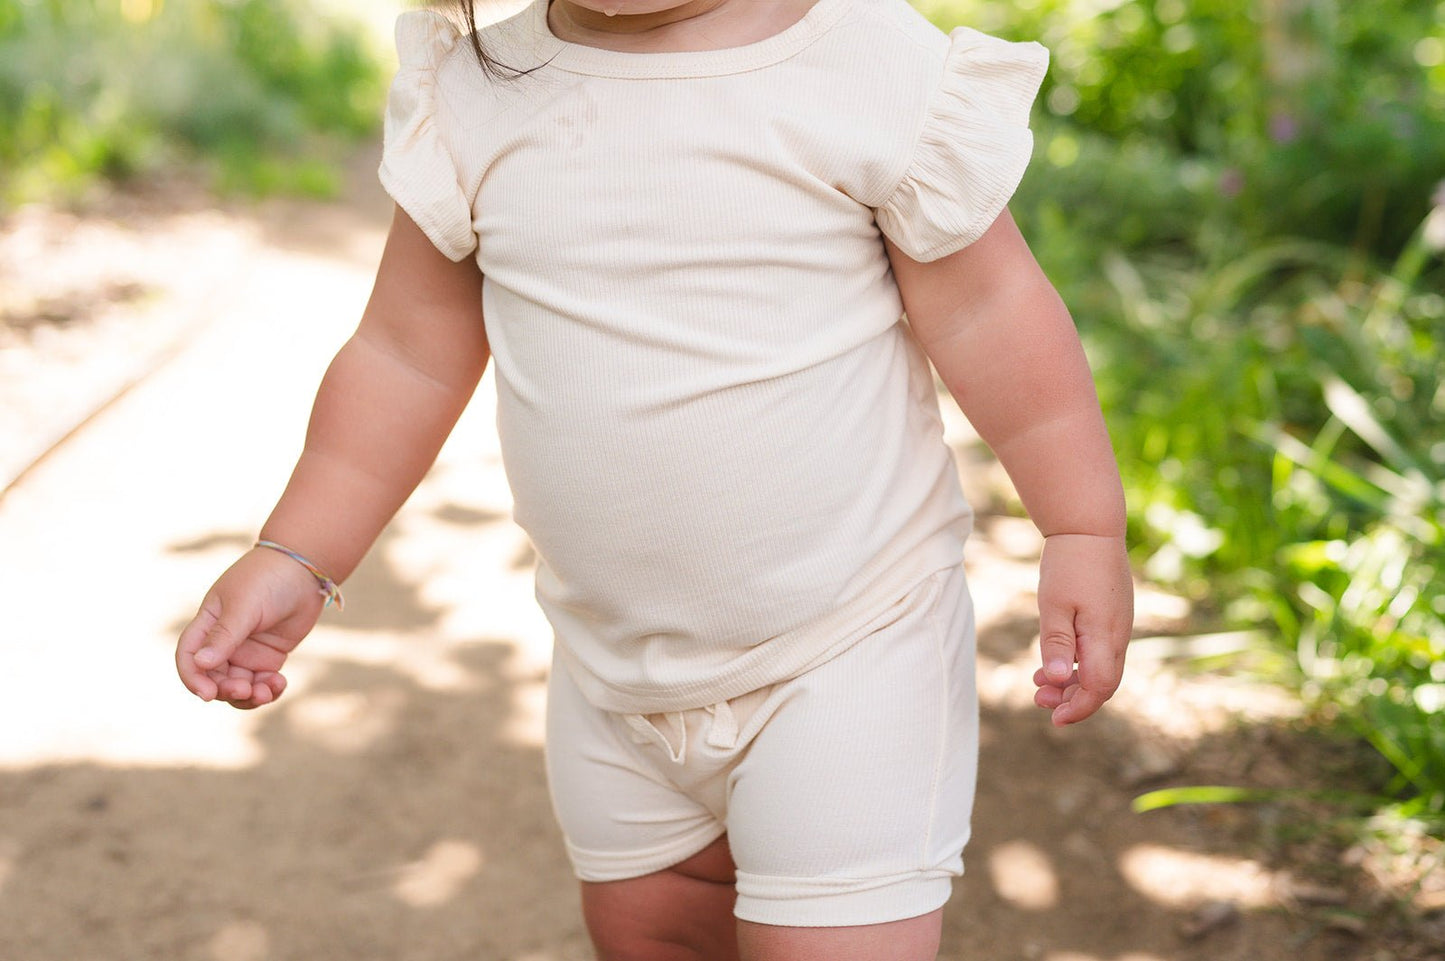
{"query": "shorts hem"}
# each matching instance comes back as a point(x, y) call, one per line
point(601, 866)
point(838, 903)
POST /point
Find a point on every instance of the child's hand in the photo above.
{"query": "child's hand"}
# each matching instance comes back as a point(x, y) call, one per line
point(254, 615)
point(1086, 611)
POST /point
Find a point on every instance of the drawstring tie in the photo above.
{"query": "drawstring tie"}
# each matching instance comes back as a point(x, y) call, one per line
point(722, 732)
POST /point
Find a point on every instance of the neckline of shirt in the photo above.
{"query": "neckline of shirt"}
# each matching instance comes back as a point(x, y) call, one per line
point(601, 62)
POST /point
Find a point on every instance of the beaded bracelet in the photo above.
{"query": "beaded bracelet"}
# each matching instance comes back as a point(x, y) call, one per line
point(326, 585)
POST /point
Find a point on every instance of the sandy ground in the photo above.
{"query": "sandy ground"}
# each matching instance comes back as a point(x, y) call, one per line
point(156, 364)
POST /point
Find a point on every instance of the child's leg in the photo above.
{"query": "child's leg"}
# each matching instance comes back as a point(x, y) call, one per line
point(683, 913)
point(850, 808)
point(657, 875)
point(914, 939)
point(849, 790)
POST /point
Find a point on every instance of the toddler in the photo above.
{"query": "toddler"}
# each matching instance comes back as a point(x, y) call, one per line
point(687, 233)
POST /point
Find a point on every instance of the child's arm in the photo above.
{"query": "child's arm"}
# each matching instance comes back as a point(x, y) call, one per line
point(1006, 348)
point(386, 404)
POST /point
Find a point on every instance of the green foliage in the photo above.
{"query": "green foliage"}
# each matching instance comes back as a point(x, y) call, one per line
point(1231, 196)
point(1318, 118)
point(115, 88)
point(1274, 414)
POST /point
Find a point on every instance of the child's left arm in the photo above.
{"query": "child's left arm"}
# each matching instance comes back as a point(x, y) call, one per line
point(1005, 346)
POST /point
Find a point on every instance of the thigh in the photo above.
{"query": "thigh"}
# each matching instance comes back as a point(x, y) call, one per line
point(912, 939)
point(682, 913)
point(852, 804)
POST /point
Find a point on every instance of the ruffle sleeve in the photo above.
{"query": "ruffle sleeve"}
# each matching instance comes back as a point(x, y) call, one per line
point(973, 148)
point(417, 168)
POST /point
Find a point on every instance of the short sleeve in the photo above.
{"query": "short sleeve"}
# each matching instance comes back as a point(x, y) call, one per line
point(973, 147)
point(417, 168)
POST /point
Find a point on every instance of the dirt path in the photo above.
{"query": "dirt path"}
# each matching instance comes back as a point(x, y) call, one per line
point(393, 806)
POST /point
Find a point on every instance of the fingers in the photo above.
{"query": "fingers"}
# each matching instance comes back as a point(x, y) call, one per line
point(265, 687)
point(225, 635)
point(1073, 695)
point(204, 651)
point(254, 615)
point(1078, 703)
point(1057, 644)
point(196, 679)
point(1057, 649)
point(244, 689)
point(274, 685)
point(1043, 680)
point(1049, 694)
point(1101, 668)
point(1085, 616)
point(1048, 698)
point(236, 685)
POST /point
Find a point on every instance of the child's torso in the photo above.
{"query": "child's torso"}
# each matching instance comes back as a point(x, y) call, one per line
point(717, 429)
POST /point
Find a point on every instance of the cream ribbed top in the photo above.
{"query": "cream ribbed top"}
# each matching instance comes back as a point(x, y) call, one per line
point(719, 434)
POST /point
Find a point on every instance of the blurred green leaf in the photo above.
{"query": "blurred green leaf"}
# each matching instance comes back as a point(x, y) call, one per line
point(114, 89)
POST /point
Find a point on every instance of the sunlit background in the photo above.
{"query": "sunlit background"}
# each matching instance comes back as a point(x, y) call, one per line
point(1243, 202)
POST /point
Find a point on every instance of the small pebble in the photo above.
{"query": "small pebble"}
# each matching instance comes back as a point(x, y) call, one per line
point(1306, 893)
point(1147, 762)
point(1207, 919)
point(1346, 923)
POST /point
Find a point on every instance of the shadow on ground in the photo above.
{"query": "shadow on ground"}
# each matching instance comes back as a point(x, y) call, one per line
point(392, 821)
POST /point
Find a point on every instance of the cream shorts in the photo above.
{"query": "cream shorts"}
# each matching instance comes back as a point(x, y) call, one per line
point(845, 792)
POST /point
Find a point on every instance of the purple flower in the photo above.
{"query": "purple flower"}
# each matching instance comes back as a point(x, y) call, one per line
point(1283, 128)
point(1231, 182)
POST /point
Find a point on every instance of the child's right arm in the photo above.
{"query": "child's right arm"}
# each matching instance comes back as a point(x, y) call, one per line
point(386, 404)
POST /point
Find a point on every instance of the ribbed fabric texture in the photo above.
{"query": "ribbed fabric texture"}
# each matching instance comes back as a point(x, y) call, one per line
point(973, 149)
point(415, 163)
point(719, 433)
